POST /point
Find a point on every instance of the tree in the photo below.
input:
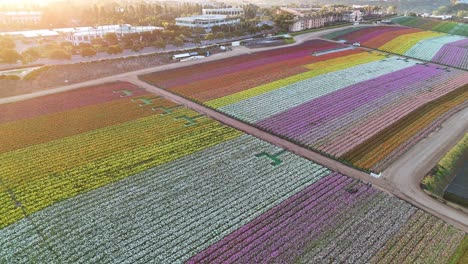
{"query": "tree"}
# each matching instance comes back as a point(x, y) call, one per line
point(250, 11)
point(114, 49)
point(137, 47)
point(6, 43)
point(160, 44)
point(10, 56)
point(111, 38)
point(462, 13)
point(219, 35)
point(283, 21)
point(391, 9)
point(30, 55)
point(199, 31)
point(59, 54)
point(178, 42)
point(209, 36)
point(197, 40)
point(87, 52)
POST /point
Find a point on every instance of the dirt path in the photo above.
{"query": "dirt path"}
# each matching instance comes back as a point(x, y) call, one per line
point(235, 52)
point(401, 179)
point(404, 175)
point(304, 152)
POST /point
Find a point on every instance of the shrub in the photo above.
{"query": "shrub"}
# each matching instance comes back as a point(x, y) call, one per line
point(10, 77)
point(59, 54)
point(34, 74)
point(114, 49)
point(10, 56)
point(87, 52)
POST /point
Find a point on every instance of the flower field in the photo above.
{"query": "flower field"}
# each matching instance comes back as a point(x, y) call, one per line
point(111, 173)
point(55, 148)
point(450, 50)
point(362, 108)
point(434, 25)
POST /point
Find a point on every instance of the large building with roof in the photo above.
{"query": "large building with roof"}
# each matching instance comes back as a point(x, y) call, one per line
point(79, 35)
point(86, 34)
point(206, 21)
point(25, 18)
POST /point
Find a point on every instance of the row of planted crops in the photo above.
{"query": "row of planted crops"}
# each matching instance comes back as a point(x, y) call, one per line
point(434, 25)
point(112, 174)
point(441, 48)
point(362, 108)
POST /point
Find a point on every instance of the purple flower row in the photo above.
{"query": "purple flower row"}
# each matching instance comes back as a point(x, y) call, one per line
point(301, 217)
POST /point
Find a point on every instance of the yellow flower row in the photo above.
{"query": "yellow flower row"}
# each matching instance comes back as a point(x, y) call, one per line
point(403, 43)
point(316, 69)
point(44, 174)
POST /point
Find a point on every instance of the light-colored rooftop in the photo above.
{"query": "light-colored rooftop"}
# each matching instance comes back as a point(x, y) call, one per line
point(202, 17)
point(126, 28)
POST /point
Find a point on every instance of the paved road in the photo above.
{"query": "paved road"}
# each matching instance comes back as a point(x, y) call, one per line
point(401, 179)
point(125, 53)
point(235, 52)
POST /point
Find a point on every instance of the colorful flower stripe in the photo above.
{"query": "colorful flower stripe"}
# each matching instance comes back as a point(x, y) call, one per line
point(376, 148)
point(455, 53)
point(428, 48)
point(342, 102)
point(324, 223)
point(187, 204)
point(411, 242)
point(260, 107)
point(112, 154)
point(249, 65)
point(381, 39)
point(313, 114)
point(365, 34)
point(317, 69)
point(65, 101)
point(424, 45)
point(26, 132)
point(227, 84)
point(186, 75)
point(402, 44)
point(102, 144)
point(423, 93)
point(419, 135)
point(343, 132)
point(207, 66)
point(432, 24)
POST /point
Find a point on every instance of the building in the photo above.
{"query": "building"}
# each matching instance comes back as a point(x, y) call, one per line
point(86, 34)
point(314, 21)
point(353, 16)
point(24, 18)
point(230, 12)
point(206, 21)
point(32, 34)
point(309, 18)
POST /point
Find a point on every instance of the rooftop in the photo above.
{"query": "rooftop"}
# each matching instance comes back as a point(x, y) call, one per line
point(201, 17)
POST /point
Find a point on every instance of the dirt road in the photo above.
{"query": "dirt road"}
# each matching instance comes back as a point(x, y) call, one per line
point(401, 179)
point(404, 176)
point(235, 52)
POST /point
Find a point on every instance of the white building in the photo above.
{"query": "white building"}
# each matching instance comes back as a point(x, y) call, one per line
point(26, 18)
point(86, 34)
point(230, 12)
point(354, 16)
point(205, 21)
